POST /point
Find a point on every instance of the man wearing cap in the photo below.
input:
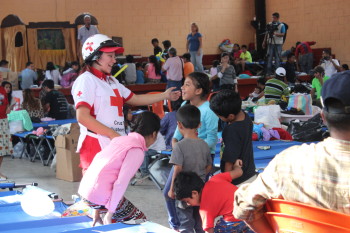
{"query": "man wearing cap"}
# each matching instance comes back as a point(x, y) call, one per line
point(316, 174)
point(85, 32)
point(317, 84)
point(276, 87)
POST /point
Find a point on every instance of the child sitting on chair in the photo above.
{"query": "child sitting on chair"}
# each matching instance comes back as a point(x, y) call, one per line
point(105, 181)
point(214, 199)
point(189, 154)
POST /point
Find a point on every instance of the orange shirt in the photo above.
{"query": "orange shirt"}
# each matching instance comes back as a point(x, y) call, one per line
point(188, 68)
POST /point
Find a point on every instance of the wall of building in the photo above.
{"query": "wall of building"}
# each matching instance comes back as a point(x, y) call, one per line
point(138, 21)
point(323, 21)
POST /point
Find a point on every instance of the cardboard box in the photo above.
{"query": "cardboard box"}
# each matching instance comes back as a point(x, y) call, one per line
point(67, 167)
point(11, 77)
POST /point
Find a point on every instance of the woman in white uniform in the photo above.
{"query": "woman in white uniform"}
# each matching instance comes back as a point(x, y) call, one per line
point(99, 98)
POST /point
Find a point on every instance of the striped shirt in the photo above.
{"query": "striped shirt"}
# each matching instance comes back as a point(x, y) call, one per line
point(315, 174)
point(274, 89)
point(304, 48)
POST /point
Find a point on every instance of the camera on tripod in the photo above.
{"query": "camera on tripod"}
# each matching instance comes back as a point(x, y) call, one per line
point(271, 28)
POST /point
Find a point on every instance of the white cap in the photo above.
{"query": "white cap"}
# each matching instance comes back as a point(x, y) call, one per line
point(281, 71)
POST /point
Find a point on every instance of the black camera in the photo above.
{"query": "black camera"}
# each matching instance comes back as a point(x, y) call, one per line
point(271, 28)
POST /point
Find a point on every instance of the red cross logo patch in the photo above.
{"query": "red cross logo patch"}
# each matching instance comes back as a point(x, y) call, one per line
point(89, 46)
point(117, 101)
point(79, 93)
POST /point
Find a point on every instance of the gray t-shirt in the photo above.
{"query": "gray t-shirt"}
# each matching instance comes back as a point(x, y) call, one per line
point(193, 155)
point(130, 73)
point(84, 33)
point(229, 75)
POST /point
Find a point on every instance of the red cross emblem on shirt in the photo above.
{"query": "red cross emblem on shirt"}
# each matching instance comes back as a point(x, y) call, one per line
point(89, 46)
point(79, 93)
point(117, 101)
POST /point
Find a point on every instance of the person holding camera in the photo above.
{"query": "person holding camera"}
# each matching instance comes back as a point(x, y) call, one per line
point(330, 65)
point(274, 41)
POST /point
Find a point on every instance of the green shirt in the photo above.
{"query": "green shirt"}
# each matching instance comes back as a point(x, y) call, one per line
point(274, 89)
point(246, 56)
point(317, 85)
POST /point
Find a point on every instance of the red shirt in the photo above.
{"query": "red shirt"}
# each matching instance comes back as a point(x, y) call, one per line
point(237, 54)
point(304, 48)
point(217, 200)
point(3, 103)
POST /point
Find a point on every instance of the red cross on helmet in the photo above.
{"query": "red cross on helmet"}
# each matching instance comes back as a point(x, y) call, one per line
point(99, 42)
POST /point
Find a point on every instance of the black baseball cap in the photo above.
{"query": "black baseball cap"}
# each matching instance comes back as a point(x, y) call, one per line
point(337, 88)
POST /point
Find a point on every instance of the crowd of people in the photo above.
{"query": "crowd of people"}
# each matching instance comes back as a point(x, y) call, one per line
point(113, 145)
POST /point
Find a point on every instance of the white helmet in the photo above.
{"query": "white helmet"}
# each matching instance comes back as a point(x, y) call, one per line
point(99, 42)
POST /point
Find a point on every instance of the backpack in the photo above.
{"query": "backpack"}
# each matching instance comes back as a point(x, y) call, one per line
point(285, 34)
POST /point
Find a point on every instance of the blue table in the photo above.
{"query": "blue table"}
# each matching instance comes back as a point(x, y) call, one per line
point(55, 122)
point(52, 225)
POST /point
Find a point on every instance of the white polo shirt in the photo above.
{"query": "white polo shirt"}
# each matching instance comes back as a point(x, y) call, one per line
point(105, 97)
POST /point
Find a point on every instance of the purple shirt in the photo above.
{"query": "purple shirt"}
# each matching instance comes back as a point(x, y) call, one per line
point(173, 66)
point(109, 174)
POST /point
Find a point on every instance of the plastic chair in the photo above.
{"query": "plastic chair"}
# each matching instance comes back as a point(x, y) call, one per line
point(287, 223)
point(157, 107)
point(305, 211)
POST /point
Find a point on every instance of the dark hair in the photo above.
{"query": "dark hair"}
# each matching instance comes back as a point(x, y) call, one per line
point(276, 14)
point(126, 109)
point(216, 63)
point(166, 44)
point(50, 66)
point(9, 95)
point(3, 62)
point(29, 63)
point(157, 67)
point(129, 58)
point(144, 64)
point(138, 64)
point(154, 40)
point(244, 46)
point(327, 51)
point(298, 43)
point(261, 81)
point(49, 83)
point(345, 66)
point(319, 69)
point(201, 80)
point(339, 121)
point(224, 54)
point(237, 45)
point(175, 105)
point(226, 102)
point(260, 89)
point(189, 116)
point(185, 183)
point(187, 56)
point(290, 55)
point(30, 100)
point(146, 123)
point(74, 63)
point(172, 51)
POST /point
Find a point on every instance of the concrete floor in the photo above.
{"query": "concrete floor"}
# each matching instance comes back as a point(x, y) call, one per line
point(146, 196)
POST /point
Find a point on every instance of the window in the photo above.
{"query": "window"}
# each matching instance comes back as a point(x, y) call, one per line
point(50, 39)
point(18, 39)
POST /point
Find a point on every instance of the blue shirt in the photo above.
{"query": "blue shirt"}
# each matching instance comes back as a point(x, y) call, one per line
point(139, 77)
point(194, 41)
point(209, 127)
point(167, 127)
point(28, 76)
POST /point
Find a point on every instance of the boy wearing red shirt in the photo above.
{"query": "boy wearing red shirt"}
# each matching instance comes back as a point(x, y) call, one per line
point(214, 198)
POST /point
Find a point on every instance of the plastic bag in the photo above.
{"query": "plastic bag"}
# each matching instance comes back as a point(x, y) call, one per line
point(307, 131)
point(269, 115)
point(302, 102)
point(16, 126)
